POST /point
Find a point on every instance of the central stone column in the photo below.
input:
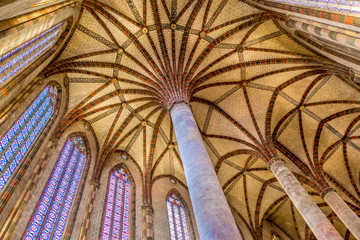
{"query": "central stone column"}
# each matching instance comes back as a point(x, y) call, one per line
point(212, 213)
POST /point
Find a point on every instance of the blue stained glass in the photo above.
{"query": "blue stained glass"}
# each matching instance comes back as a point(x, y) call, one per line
point(68, 201)
point(22, 46)
point(171, 221)
point(326, 4)
point(20, 155)
point(184, 223)
point(13, 130)
point(177, 219)
point(125, 226)
point(26, 130)
point(48, 193)
point(24, 63)
point(26, 53)
point(16, 142)
point(51, 215)
point(55, 207)
point(116, 218)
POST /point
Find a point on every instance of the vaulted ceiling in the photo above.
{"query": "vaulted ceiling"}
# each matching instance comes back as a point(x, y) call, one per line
point(251, 87)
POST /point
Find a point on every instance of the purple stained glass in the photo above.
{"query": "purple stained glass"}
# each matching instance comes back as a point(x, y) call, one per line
point(116, 217)
point(179, 229)
point(50, 217)
point(15, 144)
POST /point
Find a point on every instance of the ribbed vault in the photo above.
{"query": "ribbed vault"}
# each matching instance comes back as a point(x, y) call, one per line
point(254, 91)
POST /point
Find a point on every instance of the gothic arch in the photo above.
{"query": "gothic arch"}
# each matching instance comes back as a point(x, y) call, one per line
point(75, 202)
point(132, 210)
point(186, 208)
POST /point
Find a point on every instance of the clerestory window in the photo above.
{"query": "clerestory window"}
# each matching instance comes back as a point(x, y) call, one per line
point(178, 222)
point(17, 142)
point(13, 61)
point(117, 208)
point(52, 212)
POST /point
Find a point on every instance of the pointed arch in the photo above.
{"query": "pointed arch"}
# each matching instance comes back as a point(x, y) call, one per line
point(118, 220)
point(180, 224)
point(21, 141)
point(56, 210)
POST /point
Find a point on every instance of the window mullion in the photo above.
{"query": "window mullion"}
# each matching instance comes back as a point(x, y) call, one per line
point(21, 128)
point(57, 188)
point(24, 140)
point(66, 192)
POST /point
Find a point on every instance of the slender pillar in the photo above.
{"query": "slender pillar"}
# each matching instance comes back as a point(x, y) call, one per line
point(147, 224)
point(343, 211)
point(212, 213)
point(85, 225)
point(311, 213)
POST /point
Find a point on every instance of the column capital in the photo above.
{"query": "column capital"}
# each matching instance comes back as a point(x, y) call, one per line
point(148, 206)
point(95, 183)
point(178, 104)
point(326, 191)
point(273, 161)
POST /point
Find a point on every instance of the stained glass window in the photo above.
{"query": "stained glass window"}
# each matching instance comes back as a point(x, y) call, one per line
point(17, 141)
point(15, 60)
point(346, 6)
point(116, 218)
point(51, 214)
point(178, 224)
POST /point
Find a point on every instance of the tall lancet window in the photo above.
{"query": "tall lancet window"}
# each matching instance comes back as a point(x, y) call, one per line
point(22, 135)
point(13, 61)
point(52, 212)
point(178, 221)
point(117, 208)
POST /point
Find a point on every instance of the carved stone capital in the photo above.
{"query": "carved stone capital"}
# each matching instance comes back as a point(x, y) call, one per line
point(54, 142)
point(275, 160)
point(39, 80)
point(148, 206)
point(326, 191)
point(178, 104)
point(95, 183)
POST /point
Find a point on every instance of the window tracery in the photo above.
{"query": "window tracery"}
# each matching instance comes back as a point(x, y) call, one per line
point(52, 212)
point(17, 141)
point(15, 60)
point(117, 208)
point(177, 216)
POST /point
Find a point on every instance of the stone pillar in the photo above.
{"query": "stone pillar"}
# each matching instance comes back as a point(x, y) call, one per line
point(212, 213)
point(89, 210)
point(343, 211)
point(148, 222)
point(311, 213)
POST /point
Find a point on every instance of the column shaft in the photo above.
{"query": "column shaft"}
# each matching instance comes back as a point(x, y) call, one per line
point(85, 225)
point(148, 222)
point(344, 212)
point(212, 213)
point(311, 213)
